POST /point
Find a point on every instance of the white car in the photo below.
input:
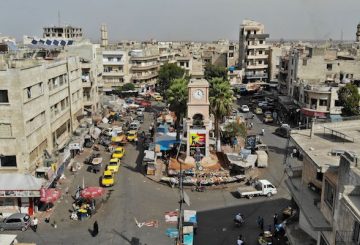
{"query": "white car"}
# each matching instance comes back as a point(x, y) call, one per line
point(245, 108)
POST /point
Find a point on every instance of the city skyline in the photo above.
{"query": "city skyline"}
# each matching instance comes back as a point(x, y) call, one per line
point(192, 20)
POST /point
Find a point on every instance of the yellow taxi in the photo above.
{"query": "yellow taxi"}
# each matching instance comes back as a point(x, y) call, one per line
point(258, 111)
point(108, 178)
point(158, 98)
point(113, 165)
point(118, 153)
point(131, 135)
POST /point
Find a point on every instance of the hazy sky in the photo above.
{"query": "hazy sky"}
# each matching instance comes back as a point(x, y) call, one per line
point(184, 19)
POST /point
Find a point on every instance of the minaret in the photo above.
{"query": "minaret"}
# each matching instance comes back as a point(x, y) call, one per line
point(104, 36)
point(358, 33)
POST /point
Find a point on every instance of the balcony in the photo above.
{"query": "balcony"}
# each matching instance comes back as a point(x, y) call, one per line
point(258, 46)
point(140, 57)
point(257, 56)
point(250, 75)
point(144, 77)
point(113, 74)
point(308, 202)
point(257, 66)
point(144, 67)
point(113, 62)
point(318, 89)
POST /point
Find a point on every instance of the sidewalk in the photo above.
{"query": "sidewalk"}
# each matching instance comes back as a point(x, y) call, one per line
point(61, 211)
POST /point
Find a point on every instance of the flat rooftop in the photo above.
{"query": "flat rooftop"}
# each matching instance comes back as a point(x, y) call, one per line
point(327, 138)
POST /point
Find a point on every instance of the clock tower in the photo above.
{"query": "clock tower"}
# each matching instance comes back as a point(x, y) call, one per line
point(198, 117)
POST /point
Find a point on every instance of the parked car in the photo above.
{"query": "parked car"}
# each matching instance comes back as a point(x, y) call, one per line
point(261, 188)
point(113, 165)
point(131, 135)
point(245, 108)
point(158, 98)
point(108, 178)
point(258, 111)
point(16, 221)
point(145, 103)
point(283, 132)
point(118, 153)
point(268, 118)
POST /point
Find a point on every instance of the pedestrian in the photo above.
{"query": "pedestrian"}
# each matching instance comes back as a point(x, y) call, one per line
point(275, 219)
point(240, 240)
point(251, 125)
point(262, 223)
point(95, 229)
point(258, 220)
point(34, 224)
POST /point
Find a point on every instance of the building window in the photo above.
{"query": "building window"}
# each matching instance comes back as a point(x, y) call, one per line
point(356, 233)
point(337, 103)
point(5, 130)
point(319, 176)
point(322, 102)
point(313, 103)
point(261, 41)
point(4, 96)
point(7, 161)
point(329, 67)
point(260, 52)
point(329, 194)
point(304, 62)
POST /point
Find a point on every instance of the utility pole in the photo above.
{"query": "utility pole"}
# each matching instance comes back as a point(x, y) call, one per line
point(59, 18)
point(180, 218)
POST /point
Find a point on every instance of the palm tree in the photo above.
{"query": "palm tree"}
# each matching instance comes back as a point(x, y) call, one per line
point(221, 104)
point(177, 95)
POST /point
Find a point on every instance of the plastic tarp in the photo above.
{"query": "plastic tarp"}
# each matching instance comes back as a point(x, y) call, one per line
point(149, 156)
point(190, 216)
point(166, 141)
point(95, 132)
point(241, 161)
point(7, 239)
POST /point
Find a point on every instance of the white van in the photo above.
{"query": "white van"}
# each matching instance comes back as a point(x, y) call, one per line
point(262, 159)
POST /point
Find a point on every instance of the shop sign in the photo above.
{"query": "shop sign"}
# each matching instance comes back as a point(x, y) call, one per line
point(19, 193)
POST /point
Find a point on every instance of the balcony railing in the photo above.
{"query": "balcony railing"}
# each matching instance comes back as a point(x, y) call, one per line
point(344, 238)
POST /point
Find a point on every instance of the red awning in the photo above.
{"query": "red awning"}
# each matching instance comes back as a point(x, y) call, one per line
point(92, 192)
point(50, 195)
point(312, 113)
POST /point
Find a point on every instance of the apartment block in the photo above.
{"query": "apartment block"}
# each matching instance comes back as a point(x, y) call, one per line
point(90, 56)
point(323, 179)
point(253, 52)
point(311, 76)
point(144, 67)
point(40, 101)
point(115, 69)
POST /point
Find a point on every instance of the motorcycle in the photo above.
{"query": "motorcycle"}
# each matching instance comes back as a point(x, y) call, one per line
point(198, 188)
point(239, 222)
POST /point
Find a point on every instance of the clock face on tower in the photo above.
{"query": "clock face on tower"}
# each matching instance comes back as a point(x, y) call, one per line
point(198, 94)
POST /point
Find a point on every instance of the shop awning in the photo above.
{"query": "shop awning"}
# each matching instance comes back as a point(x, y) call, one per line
point(312, 113)
point(19, 182)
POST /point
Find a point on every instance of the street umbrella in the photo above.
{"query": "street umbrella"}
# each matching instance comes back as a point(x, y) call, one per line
point(50, 195)
point(92, 192)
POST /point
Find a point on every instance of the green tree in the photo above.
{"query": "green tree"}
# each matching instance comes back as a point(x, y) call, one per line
point(234, 129)
point(167, 73)
point(178, 96)
point(128, 87)
point(349, 98)
point(221, 103)
point(213, 71)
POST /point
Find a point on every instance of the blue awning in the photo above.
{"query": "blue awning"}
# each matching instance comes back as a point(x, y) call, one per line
point(335, 118)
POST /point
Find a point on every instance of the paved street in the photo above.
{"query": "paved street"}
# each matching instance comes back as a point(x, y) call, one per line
point(135, 196)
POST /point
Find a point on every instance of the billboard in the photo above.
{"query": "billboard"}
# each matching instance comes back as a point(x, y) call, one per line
point(197, 138)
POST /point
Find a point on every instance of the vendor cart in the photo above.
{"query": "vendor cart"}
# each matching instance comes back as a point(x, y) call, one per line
point(96, 165)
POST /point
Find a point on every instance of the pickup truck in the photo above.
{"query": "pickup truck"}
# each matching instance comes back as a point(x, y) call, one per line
point(261, 188)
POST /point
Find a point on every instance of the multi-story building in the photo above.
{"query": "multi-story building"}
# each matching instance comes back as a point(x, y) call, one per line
point(115, 69)
point(91, 73)
point(144, 67)
point(318, 185)
point(253, 52)
point(40, 102)
point(311, 76)
point(43, 114)
point(62, 32)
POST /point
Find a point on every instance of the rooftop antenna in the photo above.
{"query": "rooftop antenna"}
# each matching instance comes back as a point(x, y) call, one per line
point(342, 35)
point(59, 18)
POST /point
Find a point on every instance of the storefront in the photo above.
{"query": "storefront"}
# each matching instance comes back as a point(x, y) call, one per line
point(19, 193)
